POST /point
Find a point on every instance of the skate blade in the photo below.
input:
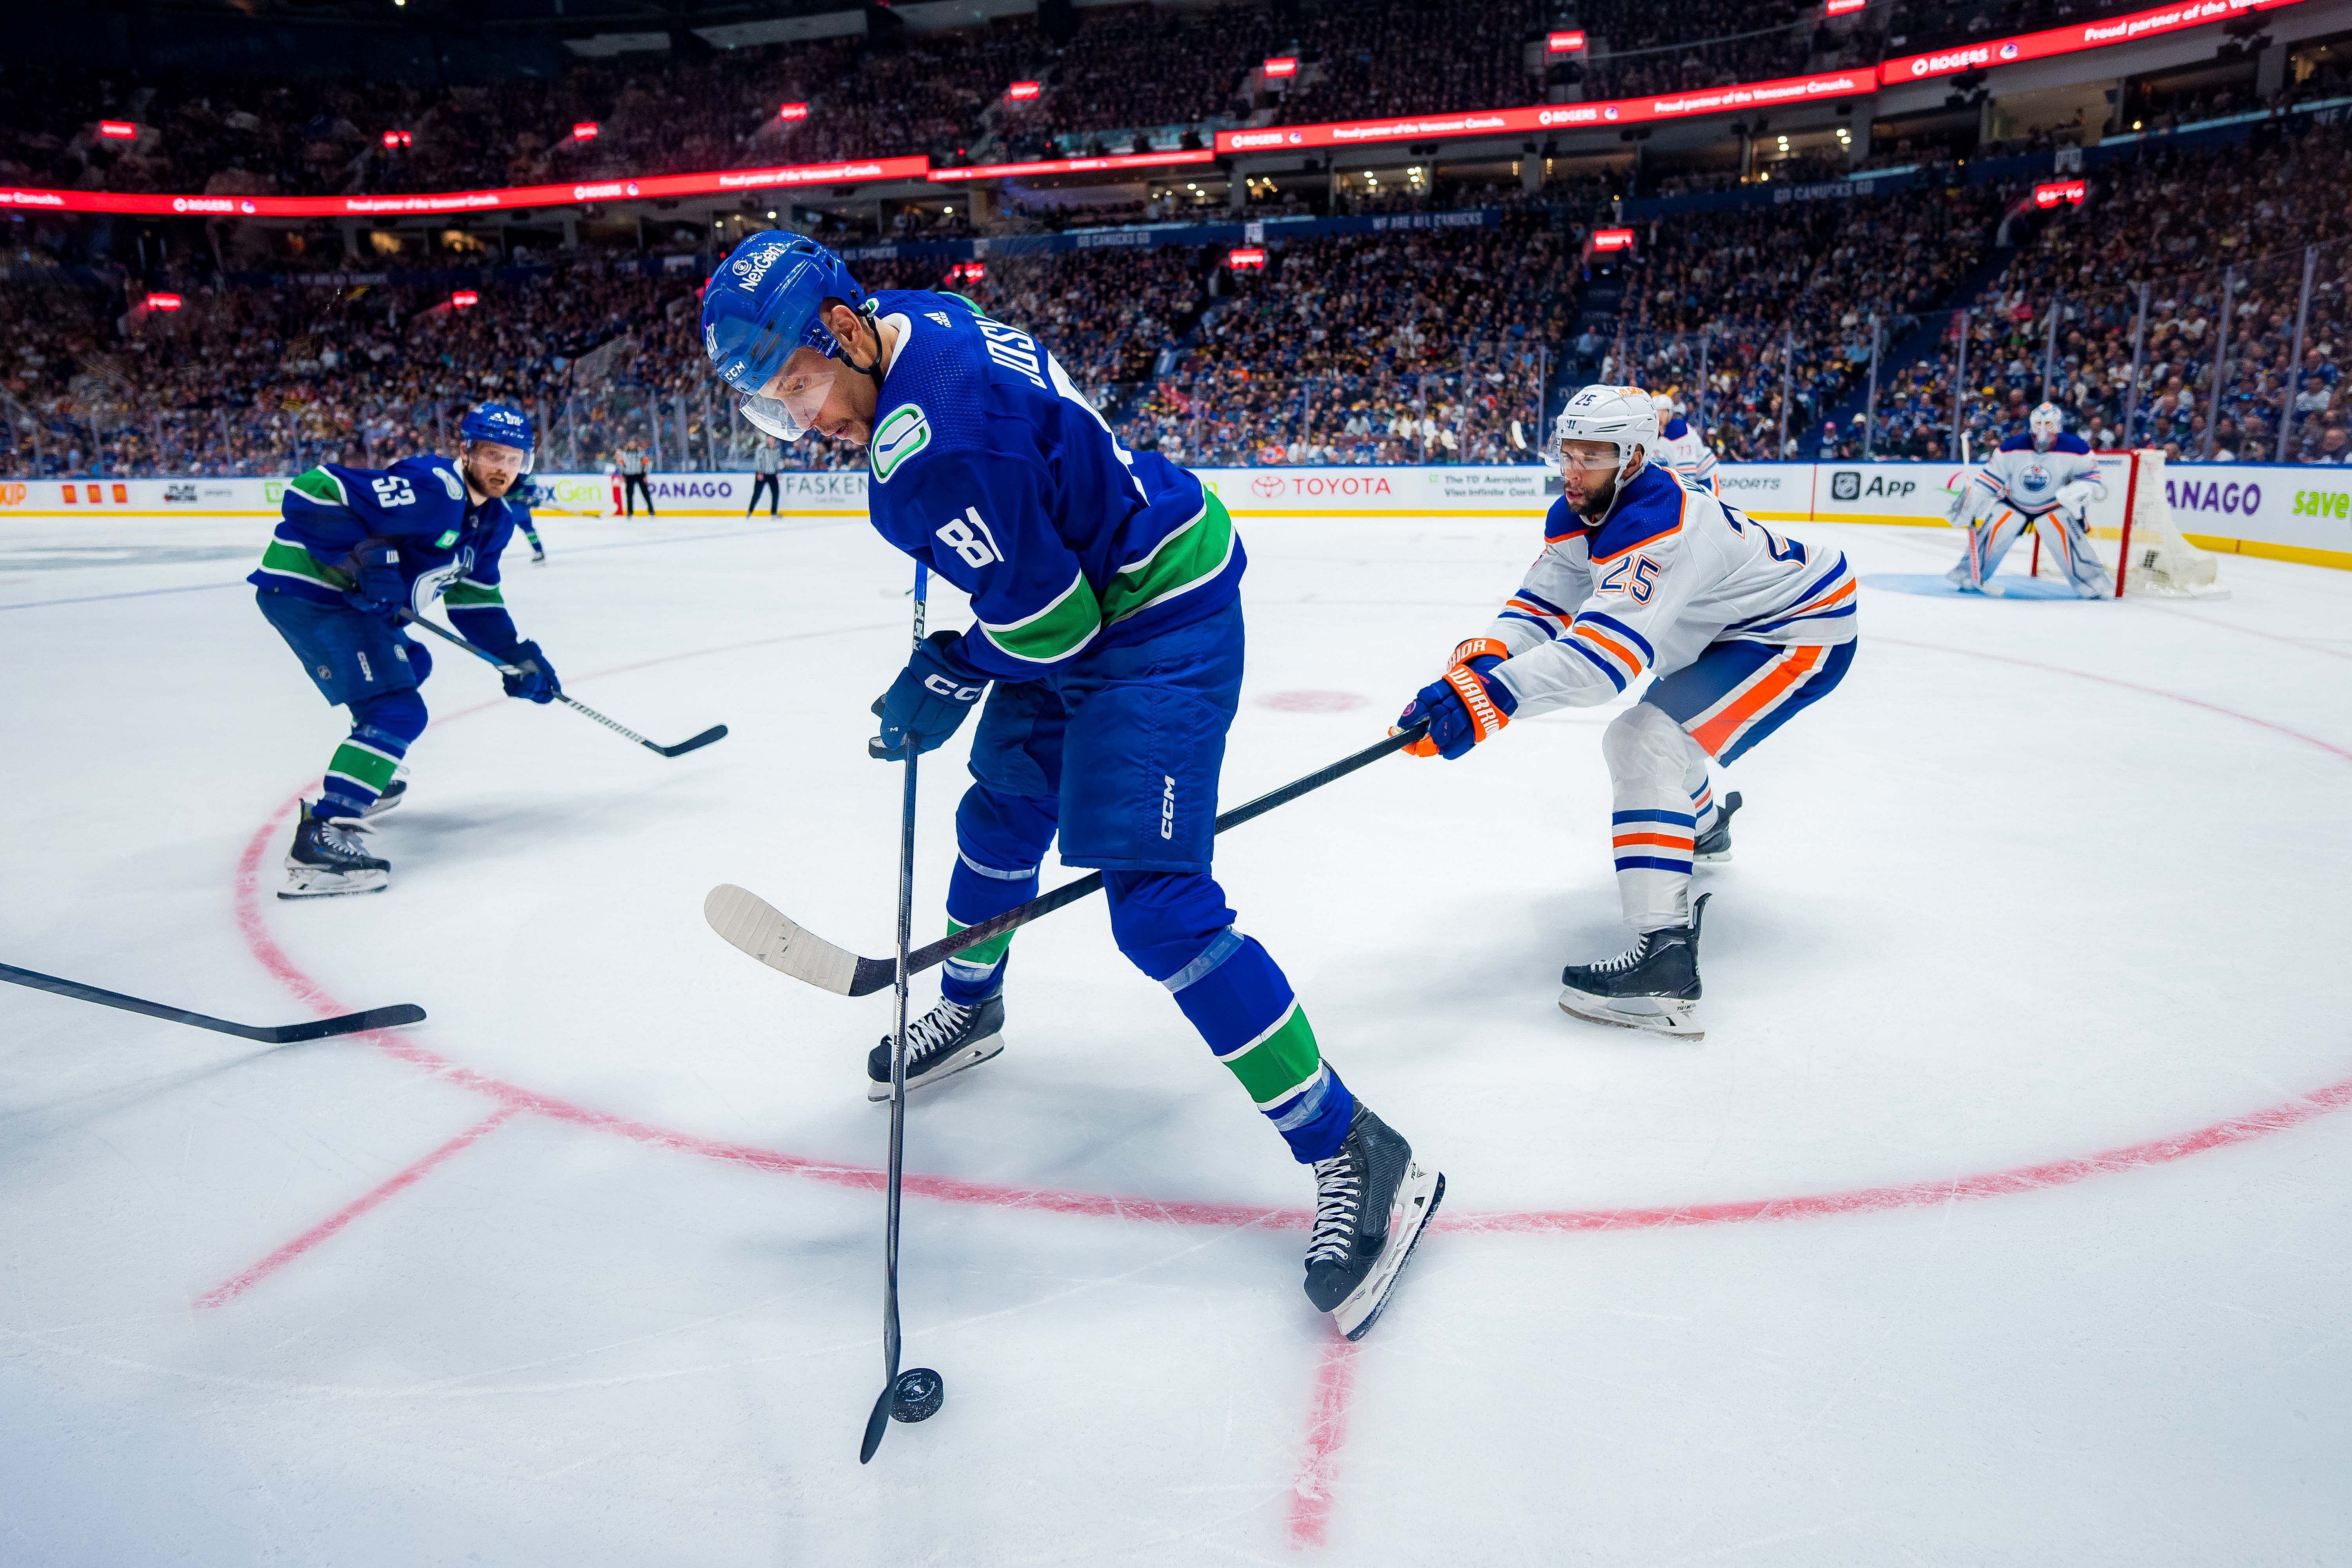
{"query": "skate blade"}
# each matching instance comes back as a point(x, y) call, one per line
point(1679, 1019)
point(1417, 1198)
point(380, 809)
point(1711, 856)
point(333, 884)
point(971, 1055)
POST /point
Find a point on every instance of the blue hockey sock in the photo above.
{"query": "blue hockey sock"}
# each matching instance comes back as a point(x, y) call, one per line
point(363, 765)
point(999, 839)
point(1236, 995)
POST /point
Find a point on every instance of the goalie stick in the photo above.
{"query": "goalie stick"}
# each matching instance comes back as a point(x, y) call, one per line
point(692, 742)
point(753, 925)
point(268, 1035)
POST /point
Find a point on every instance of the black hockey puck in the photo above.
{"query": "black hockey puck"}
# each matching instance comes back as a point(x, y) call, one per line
point(916, 1394)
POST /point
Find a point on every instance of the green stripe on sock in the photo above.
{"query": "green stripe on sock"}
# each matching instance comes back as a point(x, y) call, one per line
point(361, 765)
point(984, 953)
point(1187, 558)
point(293, 560)
point(1281, 1063)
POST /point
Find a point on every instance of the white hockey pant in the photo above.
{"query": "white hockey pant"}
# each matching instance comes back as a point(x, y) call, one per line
point(1660, 803)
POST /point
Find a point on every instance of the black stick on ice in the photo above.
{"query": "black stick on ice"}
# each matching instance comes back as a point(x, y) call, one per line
point(716, 732)
point(268, 1035)
point(915, 1395)
point(756, 927)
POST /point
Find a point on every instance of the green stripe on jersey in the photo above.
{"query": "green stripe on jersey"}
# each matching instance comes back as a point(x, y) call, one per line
point(362, 765)
point(465, 594)
point(1278, 1063)
point(1187, 558)
point(983, 955)
point(320, 487)
point(1056, 632)
point(289, 560)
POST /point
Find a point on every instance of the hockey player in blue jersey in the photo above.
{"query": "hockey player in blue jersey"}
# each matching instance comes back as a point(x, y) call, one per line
point(352, 549)
point(2043, 479)
point(1644, 573)
point(528, 495)
point(1106, 586)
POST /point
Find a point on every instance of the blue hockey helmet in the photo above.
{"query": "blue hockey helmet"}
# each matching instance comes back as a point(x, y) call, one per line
point(762, 303)
point(504, 424)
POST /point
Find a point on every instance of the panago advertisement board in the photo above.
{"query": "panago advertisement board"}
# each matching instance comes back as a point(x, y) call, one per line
point(2285, 511)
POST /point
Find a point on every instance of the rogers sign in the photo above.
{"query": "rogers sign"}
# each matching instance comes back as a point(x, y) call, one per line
point(2150, 24)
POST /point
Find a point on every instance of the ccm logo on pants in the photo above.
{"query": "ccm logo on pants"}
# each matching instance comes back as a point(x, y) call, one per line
point(1168, 807)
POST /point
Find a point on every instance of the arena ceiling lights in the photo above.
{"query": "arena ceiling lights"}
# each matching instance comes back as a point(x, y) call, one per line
point(2153, 24)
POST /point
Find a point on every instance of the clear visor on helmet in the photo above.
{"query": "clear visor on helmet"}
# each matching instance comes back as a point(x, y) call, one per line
point(787, 407)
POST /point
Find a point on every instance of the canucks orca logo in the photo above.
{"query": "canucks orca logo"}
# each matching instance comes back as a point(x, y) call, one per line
point(904, 432)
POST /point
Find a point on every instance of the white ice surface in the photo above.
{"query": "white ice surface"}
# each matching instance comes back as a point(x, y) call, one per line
point(1986, 915)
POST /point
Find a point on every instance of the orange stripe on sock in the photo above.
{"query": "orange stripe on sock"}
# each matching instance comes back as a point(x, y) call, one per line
point(1794, 666)
point(1662, 840)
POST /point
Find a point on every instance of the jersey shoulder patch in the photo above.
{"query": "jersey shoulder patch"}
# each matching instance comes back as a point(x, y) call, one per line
point(904, 431)
point(2070, 442)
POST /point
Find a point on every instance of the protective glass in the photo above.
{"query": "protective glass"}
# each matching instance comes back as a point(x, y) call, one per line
point(788, 407)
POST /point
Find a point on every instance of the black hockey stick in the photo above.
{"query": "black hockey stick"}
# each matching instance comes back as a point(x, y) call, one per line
point(756, 927)
point(916, 1395)
point(692, 742)
point(277, 1034)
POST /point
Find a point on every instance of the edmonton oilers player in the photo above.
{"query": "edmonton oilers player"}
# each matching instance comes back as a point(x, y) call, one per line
point(354, 547)
point(2043, 479)
point(1645, 573)
point(1106, 585)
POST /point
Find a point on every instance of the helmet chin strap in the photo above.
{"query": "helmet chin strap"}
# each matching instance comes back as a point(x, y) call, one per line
point(872, 371)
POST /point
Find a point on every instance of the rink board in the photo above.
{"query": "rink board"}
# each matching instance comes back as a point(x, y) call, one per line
point(2284, 512)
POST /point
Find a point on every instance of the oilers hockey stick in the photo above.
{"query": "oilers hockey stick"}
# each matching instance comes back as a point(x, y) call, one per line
point(692, 742)
point(753, 925)
point(278, 1034)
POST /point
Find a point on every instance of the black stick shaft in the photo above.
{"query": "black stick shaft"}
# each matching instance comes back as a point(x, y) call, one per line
point(877, 1423)
point(503, 667)
point(269, 1034)
point(1071, 892)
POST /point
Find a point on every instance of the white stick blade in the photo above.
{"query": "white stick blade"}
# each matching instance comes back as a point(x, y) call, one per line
point(750, 924)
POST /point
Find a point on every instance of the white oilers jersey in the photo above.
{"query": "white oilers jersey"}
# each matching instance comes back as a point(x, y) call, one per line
point(2020, 476)
point(1671, 572)
point(1680, 449)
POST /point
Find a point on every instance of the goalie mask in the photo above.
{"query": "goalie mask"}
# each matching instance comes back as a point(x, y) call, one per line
point(2045, 421)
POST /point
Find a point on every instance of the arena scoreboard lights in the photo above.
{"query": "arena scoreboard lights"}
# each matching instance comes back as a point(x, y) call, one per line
point(1243, 257)
point(1573, 43)
point(1613, 240)
point(2057, 191)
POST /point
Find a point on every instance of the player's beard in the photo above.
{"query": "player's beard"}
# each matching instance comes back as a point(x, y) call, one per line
point(1597, 500)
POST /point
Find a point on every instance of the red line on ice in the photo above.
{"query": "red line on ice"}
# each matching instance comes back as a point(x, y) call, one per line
point(1311, 1500)
point(408, 1176)
point(1312, 1493)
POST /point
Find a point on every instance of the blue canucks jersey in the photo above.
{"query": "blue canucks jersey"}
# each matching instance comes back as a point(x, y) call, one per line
point(990, 467)
point(448, 548)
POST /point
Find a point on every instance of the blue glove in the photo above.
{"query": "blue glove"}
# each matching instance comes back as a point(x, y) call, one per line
point(1463, 710)
point(537, 680)
point(927, 701)
point(377, 587)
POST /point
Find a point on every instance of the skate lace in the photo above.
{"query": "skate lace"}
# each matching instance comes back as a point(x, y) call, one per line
point(1624, 960)
point(936, 1028)
point(1338, 1197)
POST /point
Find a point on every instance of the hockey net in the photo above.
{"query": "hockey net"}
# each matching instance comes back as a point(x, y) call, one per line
point(2132, 531)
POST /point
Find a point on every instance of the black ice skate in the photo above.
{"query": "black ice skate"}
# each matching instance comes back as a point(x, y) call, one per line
point(1654, 987)
point(394, 793)
point(1371, 1203)
point(1714, 844)
point(537, 556)
point(940, 1044)
point(327, 859)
